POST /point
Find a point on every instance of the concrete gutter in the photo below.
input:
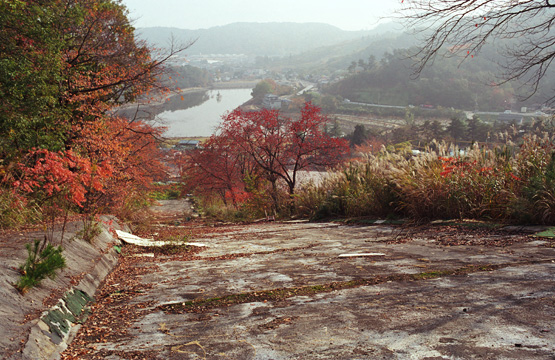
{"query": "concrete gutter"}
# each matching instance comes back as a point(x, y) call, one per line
point(28, 329)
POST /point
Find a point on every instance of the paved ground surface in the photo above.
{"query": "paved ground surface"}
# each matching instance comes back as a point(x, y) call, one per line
point(87, 263)
point(283, 291)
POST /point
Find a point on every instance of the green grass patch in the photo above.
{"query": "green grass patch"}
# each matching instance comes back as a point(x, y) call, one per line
point(549, 233)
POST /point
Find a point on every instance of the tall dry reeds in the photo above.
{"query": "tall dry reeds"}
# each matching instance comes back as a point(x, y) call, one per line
point(504, 182)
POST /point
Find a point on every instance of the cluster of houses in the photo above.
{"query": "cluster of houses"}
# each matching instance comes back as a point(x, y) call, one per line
point(274, 102)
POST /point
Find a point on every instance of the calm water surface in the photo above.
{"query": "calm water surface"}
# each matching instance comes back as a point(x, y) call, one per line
point(202, 120)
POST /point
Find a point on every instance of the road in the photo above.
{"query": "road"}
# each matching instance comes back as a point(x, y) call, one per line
point(295, 291)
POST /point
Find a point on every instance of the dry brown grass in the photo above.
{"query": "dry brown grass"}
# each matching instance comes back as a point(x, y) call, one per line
point(505, 182)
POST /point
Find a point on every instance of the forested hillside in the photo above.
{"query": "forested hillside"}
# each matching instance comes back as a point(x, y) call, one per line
point(260, 39)
point(449, 83)
point(469, 84)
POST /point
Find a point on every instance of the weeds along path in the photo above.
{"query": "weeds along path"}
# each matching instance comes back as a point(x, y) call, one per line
point(326, 291)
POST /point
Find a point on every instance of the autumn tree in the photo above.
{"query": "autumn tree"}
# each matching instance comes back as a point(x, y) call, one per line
point(252, 149)
point(64, 65)
point(134, 158)
point(280, 146)
point(66, 69)
point(465, 27)
point(217, 166)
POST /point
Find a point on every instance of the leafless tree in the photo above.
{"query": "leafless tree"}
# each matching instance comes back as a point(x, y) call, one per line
point(463, 27)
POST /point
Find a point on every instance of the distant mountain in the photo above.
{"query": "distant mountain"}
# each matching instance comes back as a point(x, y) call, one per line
point(256, 39)
point(340, 55)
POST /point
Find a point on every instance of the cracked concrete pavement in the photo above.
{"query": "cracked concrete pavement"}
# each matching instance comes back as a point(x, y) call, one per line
point(422, 306)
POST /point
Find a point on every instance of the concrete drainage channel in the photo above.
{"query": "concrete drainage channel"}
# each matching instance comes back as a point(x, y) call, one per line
point(56, 327)
point(27, 331)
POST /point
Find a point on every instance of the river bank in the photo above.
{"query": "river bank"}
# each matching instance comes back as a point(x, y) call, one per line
point(162, 99)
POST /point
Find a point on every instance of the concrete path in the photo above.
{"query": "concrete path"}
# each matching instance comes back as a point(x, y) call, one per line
point(283, 291)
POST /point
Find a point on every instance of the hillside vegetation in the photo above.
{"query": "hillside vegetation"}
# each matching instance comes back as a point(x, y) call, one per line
point(390, 81)
point(503, 182)
point(62, 150)
point(259, 39)
point(65, 151)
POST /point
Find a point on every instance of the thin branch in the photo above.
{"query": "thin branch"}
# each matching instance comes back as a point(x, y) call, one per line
point(475, 23)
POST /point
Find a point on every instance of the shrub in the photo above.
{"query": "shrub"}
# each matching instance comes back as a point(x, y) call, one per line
point(537, 164)
point(133, 207)
point(420, 188)
point(309, 197)
point(42, 261)
point(226, 213)
point(166, 191)
point(360, 189)
point(91, 229)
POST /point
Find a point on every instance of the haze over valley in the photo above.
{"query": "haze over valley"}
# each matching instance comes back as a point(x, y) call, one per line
point(341, 68)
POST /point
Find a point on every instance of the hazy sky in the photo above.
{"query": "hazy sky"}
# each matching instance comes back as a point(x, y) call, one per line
point(200, 14)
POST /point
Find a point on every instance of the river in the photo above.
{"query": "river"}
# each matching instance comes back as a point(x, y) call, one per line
point(202, 119)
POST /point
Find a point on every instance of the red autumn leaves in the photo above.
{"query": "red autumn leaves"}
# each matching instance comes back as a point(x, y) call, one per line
point(262, 148)
point(80, 153)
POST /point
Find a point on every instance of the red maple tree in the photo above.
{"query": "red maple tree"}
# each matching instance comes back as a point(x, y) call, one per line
point(275, 147)
point(281, 146)
point(219, 167)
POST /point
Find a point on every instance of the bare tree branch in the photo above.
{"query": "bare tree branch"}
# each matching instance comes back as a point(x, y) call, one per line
point(462, 27)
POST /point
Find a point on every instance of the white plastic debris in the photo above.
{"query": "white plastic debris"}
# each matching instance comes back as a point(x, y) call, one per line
point(139, 241)
point(365, 254)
